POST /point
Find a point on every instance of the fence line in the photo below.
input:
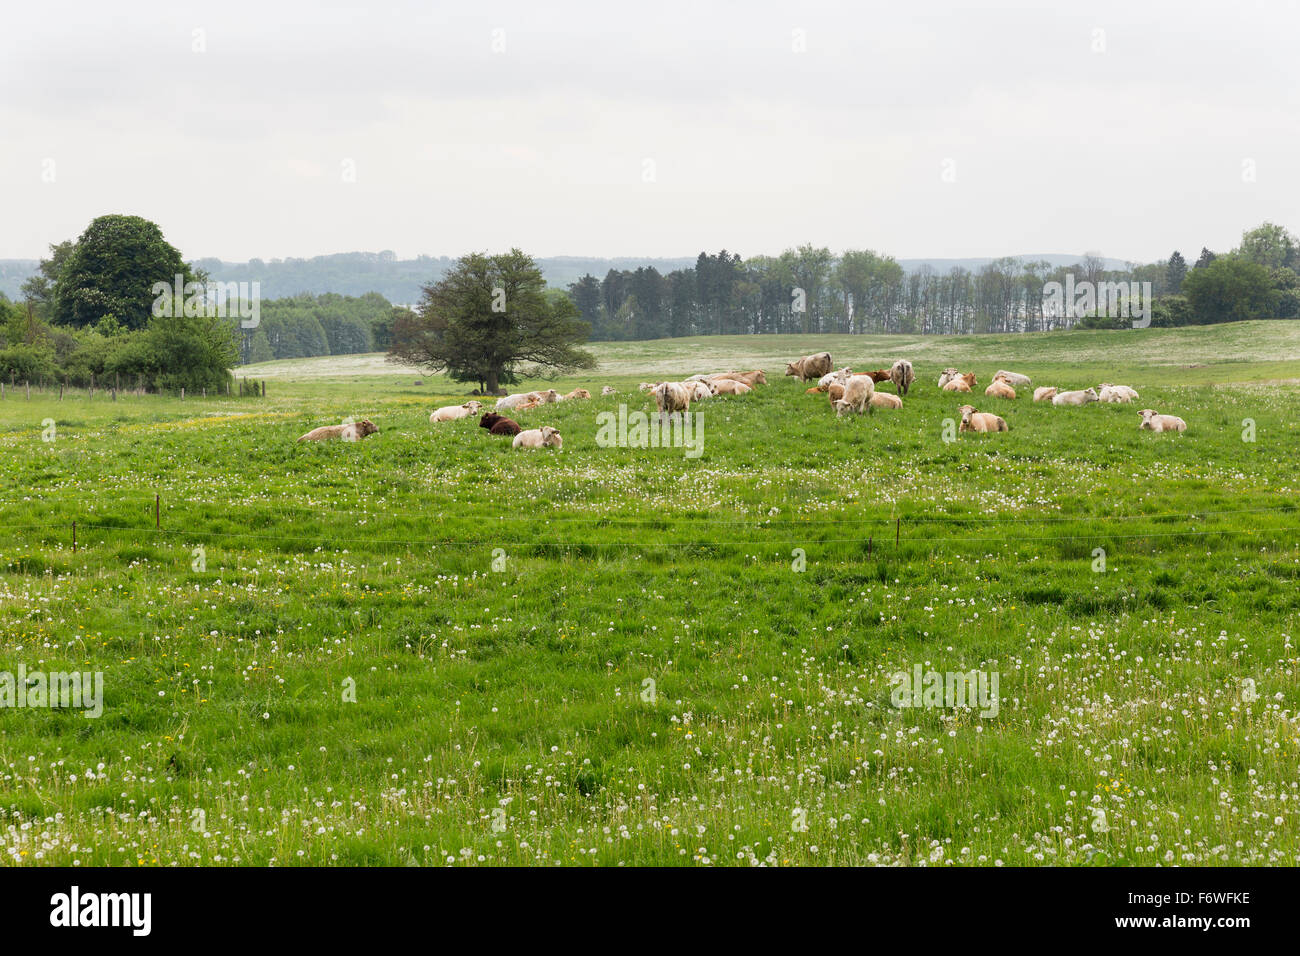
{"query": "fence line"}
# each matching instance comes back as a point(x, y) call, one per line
point(332, 541)
point(756, 522)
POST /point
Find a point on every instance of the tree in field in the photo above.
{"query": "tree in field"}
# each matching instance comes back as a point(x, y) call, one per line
point(488, 316)
point(1175, 272)
point(1205, 258)
point(1270, 246)
point(111, 271)
point(1229, 289)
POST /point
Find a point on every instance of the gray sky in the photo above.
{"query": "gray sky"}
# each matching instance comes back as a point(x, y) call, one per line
point(656, 129)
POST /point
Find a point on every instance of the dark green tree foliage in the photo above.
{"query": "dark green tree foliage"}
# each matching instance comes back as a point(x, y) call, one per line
point(1205, 258)
point(487, 317)
point(111, 271)
point(1175, 272)
point(1229, 289)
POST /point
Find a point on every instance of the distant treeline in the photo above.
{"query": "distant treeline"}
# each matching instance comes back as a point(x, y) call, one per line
point(330, 324)
point(811, 290)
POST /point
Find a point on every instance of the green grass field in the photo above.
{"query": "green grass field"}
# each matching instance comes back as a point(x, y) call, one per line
point(679, 661)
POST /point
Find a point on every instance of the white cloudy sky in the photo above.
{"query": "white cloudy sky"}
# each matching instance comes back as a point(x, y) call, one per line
point(1052, 146)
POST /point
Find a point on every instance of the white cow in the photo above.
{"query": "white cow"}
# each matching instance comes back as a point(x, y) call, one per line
point(857, 395)
point(1075, 398)
point(1153, 421)
point(449, 413)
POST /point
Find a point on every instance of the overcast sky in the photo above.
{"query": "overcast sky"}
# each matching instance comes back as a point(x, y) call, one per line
point(655, 129)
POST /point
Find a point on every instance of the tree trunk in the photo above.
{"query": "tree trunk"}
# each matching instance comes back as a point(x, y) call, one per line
point(493, 377)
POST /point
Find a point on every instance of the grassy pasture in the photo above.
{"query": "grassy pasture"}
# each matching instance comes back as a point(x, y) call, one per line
point(1148, 711)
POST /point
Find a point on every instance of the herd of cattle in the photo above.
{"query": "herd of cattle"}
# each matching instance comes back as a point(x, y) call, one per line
point(846, 390)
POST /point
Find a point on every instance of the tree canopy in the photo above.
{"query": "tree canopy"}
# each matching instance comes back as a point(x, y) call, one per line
point(111, 270)
point(488, 317)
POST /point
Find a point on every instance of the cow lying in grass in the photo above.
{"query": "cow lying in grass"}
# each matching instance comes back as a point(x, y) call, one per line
point(960, 383)
point(1115, 394)
point(727, 386)
point(1013, 378)
point(973, 421)
point(528, 398)
point(544, 437)
point(450, 413)
point(1079, 397)
point(1154, 421)
point(353, 431)
point(1045, 393)
point(752, 379)
point(498, 424)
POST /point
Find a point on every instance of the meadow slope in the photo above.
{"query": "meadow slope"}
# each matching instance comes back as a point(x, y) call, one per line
point(428, 648)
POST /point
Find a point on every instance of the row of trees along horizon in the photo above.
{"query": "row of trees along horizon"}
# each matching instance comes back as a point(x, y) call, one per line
point(88, 311)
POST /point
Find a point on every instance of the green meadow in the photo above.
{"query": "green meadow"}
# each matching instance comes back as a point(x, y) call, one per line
point(428, 648)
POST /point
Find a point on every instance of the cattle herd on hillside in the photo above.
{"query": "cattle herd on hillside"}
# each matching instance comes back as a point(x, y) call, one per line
point(847, 392)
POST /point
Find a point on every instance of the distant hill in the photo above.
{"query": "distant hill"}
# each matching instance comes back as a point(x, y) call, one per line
point(400, 280)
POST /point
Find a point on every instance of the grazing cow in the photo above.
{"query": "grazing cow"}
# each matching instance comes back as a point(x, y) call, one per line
point(948, 375)
point(450, 413)
point(973, 421)
point(857, 395)
point(1156, 422)
point(576, 393)
point(726, 386)
point(1117, 394)
point(961, 383)
point(353, 431)
point(840, 375)
point(834, 392)
point(999, 388)
point(885, 400)
point(1014, 378)
point(810, 366)
point(1045, 393)
point(544, 437)
point(879, 375)
point(671, 397)
point(1075, 398)
point(816, 390)
point(609, 390)
point(901, 375)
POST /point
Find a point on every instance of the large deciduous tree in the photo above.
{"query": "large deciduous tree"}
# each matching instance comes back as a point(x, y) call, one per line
point(488, 317)
point(111, 271)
